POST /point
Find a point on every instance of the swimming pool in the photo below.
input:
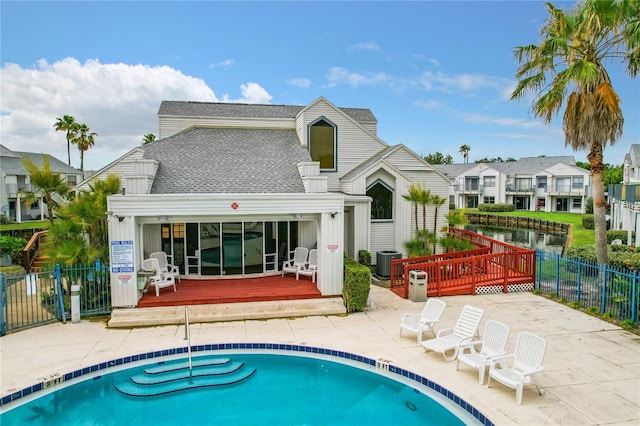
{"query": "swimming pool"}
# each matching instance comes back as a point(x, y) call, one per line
point(264, 384)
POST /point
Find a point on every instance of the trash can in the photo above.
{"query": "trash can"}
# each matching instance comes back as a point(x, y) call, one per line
point(383, 262)
point(417, 286)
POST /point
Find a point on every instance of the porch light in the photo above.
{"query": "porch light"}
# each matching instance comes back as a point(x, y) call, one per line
point(163, 218)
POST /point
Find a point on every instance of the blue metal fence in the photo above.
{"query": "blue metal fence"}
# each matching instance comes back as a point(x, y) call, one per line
point(613, 292)
point(44, 294)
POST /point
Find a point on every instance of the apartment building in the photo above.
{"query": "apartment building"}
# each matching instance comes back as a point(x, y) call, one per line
point(550, 184)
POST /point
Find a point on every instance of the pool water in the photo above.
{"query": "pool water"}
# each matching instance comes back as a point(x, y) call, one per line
point(284, 390)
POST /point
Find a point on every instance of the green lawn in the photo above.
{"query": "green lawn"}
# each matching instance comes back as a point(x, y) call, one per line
point(579, 236)
point(32, 224)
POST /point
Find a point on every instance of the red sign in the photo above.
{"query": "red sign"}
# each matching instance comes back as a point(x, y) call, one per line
point(234, 205)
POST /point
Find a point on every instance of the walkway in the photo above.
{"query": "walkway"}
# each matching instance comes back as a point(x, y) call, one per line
point(592, 368)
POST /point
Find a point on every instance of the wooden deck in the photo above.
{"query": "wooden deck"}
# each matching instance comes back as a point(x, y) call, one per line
point(493, 263)
point(231, 290)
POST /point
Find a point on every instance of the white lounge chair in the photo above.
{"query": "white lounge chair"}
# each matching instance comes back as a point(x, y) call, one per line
point(292, 266)
point(165, 266)
point(449, 340)
point(310, 267)
point(477, 354)
point(525, 363)
point(418, 324)
point(158, 280)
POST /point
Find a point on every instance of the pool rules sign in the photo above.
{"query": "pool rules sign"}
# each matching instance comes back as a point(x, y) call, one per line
point(122, 260)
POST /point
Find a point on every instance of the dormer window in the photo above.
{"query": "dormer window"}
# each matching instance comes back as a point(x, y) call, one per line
point(382, 200)
point(323, 145)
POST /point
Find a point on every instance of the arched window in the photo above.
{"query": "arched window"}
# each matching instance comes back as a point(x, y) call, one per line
point(382, 204)
point(322, 144)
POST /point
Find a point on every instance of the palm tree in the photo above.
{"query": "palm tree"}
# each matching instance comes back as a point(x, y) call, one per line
point(464, 150)
point(414, 197)
point(437, 201)
point(80, 236)
point(67, 124)
point(46, 182)
point(567, 68)
point(148, 138)
point(84, 140)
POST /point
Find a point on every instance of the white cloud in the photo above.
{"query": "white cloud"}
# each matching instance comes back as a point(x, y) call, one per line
point(117, 101)
point(303, 83)
point(340, 76)
point(365, 46)
point(252, 93)
point(461, 83)
point(225, 63)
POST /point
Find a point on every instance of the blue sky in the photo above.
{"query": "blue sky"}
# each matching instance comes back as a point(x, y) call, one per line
point(436, 74)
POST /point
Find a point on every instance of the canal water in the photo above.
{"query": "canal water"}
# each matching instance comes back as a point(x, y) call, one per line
point(527, 238)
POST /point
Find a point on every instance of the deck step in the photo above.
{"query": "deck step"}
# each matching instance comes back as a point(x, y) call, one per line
point(185, 373)
point(137, 390)
point(164, 367)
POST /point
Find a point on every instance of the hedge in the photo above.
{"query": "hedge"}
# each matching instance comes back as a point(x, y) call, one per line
point(496, 207)
point(620, 256)
point(357, 282)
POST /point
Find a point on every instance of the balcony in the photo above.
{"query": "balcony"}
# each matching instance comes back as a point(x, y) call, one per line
point(520, 189)
point(567, 190)
point(468, 189)
point(13, 189)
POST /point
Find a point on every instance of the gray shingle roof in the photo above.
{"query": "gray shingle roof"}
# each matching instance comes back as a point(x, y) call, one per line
point(524, 166)
point(203, 160)
point(11, 162)
point(219, 109)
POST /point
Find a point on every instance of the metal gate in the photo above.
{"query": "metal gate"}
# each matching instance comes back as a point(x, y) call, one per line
point(44, 294)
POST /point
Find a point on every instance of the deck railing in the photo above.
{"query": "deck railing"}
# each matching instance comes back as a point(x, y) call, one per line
point(493, 263)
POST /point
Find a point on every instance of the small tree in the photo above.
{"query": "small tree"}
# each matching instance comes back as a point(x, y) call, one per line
point(46, 182)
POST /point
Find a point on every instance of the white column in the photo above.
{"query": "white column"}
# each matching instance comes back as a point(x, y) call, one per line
point(18, 209)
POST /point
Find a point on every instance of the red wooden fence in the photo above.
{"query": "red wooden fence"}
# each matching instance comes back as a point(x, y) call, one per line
point(494, 263)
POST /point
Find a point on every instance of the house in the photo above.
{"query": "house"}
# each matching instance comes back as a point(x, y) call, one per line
point(15, 178)
point(624, 198)
point(631, 165)
point(551, 184)
point(230, 190)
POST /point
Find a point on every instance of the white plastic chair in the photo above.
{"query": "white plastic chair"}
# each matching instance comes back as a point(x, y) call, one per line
point(525, 363)
point(418, 324)
point(165, 267)
point(310, 267)
point(449, 340)
point(158, 280)
point(478, 354)
point(292, 266)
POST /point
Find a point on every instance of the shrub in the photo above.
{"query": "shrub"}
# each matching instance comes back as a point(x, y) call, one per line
point(628, 324)
point(592, 310)
point(587, 221)
point(364, 257)
point(11, 246)
point(575, 305)
point(619, 235)
point(496, 207)
point(588, 207)
point(622, 257)
point(357, 282)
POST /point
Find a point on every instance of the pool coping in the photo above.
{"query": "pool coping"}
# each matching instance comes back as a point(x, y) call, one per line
point(380, 363)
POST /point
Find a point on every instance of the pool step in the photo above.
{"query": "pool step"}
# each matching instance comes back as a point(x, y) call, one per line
point(169, 376)
point(184, 363)
point(175, 376)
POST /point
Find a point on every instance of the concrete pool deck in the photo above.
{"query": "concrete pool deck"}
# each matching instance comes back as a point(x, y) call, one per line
point(591, 376)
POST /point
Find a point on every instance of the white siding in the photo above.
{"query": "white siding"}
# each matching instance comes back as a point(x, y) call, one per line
point(382, 233)
point(124, 285)
point(354, 143)
point(170, 125)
